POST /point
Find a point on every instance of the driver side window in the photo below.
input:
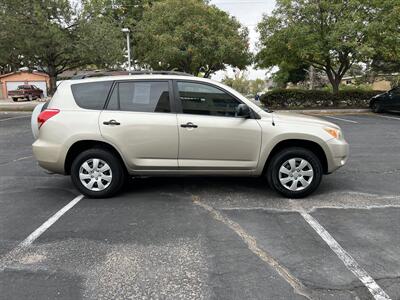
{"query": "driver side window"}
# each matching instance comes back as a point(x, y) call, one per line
point(203, 99)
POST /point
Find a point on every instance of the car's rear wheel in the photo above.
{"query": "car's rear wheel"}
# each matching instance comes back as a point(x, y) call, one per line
point(376, 107)
point(97, 173)
point(30, 98)
point(295, 172)
point(15, 99)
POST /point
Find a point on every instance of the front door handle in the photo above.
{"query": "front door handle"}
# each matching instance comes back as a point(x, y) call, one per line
point(189, 125)
point(111, 122)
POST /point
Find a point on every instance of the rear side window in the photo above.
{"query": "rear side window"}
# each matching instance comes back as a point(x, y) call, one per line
point(142, 96)
point(91, 95)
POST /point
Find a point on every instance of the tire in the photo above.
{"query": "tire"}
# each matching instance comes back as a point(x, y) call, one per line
point(111, 180)
point(29, 98)
point(285, 183)
point(15, 99)
point(376, 107)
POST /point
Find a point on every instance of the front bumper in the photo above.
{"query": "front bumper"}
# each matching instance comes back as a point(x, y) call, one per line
point(339, 153)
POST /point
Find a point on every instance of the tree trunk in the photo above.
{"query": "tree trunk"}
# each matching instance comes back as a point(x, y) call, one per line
point(53, 80)
point(53, 84)
point(335, 86)
point(335, 81)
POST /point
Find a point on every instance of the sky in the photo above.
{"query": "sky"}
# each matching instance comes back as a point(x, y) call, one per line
point(249, 13)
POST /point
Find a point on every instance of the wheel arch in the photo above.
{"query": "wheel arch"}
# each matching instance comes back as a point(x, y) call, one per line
point(302, 143)
point(83, 145)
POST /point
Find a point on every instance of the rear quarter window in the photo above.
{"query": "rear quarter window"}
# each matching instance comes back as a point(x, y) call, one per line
point(91, 95)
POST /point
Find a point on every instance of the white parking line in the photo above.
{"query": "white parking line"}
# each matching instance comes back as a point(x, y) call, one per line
point(46, 225)
point(387, 117)
point(346, 258)
point(38, 232)
point(251, 243)
point(340, 119)
point(13, 118)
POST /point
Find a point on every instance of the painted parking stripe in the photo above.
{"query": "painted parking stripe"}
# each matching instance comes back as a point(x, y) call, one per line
point(251, 243)
point(13, 118)
point(37, 233)
point(387, 117)
point(377, 292)
point(340, 119)
point(46, 225)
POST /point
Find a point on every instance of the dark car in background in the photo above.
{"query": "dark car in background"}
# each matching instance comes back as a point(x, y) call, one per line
point(386, 101)
point(26, 91)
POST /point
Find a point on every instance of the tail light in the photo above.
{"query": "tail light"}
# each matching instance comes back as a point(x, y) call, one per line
point(45, 115)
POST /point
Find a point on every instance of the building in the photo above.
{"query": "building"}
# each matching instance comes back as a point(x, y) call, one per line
point(12, 80)
point(381, 82)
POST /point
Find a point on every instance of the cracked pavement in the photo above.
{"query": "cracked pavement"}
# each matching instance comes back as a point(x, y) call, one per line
point(202, 238)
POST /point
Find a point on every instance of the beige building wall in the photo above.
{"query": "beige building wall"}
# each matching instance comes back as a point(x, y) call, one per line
point(381, 85)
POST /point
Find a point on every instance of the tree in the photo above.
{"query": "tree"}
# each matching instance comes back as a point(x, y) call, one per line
point(239, 82)
point(52, 36)
point(257, 86)
point(288, 73)
point(190, 36)
point(330, 35)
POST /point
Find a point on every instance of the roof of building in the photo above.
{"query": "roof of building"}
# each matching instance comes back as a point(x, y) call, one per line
point(27, 72)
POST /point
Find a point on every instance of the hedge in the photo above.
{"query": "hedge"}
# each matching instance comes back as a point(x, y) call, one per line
point(304, 99)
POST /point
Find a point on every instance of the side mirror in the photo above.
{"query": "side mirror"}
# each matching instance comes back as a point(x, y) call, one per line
point(243, 111)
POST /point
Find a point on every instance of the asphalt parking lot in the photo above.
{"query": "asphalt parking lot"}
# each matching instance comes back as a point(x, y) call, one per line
point(204, 238)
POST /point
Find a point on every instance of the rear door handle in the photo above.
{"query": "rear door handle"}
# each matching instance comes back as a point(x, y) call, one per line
point(111, 122)
point(189, 125)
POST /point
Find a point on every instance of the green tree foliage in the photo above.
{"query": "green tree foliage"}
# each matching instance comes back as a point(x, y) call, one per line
point(53, 36)
point(243, 85)
point(190, 36)
point(239, 82)
point(288, 73)
point(330, 35)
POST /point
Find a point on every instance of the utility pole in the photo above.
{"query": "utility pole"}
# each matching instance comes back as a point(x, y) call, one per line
point(128, 46)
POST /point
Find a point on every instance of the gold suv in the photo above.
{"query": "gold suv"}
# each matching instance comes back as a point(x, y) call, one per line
point(101, 130)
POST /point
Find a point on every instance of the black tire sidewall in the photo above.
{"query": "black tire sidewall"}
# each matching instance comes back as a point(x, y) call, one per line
point(286, 154)
point(118, 174)
point(377, 107)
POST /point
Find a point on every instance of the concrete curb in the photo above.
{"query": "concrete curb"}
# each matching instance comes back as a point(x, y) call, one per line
point(18, 106)
point(29, 106)
point(328, 111)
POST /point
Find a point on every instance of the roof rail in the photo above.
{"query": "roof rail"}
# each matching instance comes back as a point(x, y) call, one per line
point(160, 73)
point(117, 73)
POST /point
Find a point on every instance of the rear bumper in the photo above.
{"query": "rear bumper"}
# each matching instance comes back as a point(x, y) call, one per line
point(49, 156)
point(339, 153)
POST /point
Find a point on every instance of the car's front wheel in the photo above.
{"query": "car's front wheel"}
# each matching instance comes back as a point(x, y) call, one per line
point(97, 173)
point(294, 172)
point(376, 107)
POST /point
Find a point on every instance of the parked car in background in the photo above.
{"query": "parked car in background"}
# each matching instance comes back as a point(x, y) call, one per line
point(101, 130)
point(26, 91)
point(386, 101)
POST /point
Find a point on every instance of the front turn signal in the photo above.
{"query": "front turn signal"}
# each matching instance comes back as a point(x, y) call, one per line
point(335, 133)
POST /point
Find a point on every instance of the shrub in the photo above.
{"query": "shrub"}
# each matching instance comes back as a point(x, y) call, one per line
point(304, 99)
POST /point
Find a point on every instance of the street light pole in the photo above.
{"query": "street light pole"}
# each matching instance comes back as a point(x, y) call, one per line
point(128, 46)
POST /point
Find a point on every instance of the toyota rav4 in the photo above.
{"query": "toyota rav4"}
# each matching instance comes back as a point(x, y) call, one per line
point(105, 129)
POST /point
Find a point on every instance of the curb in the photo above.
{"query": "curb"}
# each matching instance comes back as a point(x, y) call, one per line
point(28, 107)
point(327, 111)
point(21, 106)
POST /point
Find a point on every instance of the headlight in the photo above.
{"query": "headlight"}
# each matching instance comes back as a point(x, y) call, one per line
point(334, 132)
